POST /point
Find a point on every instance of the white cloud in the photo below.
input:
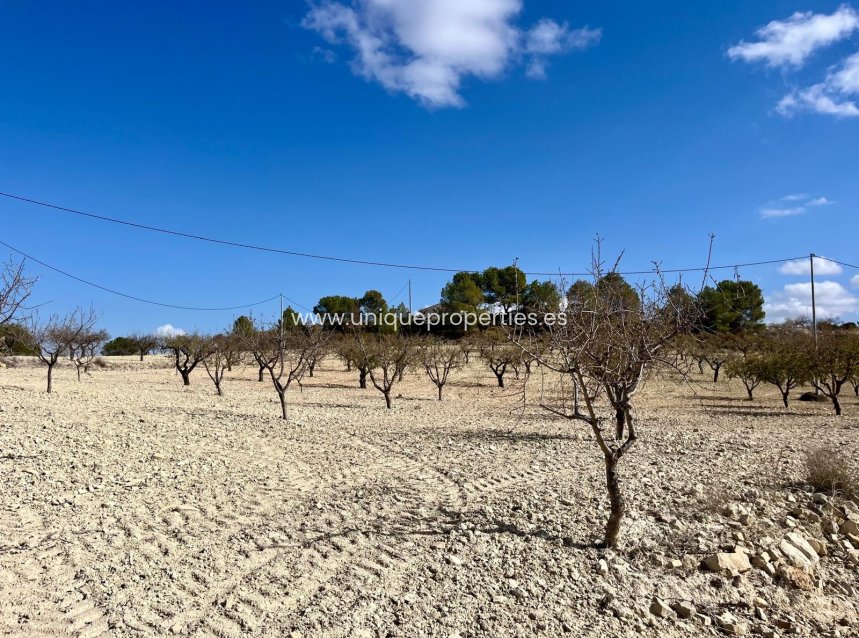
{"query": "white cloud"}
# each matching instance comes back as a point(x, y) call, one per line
point(833, 96)
point(800, 204)
point(167, 330)
point(854, 281)
point(768, 213)
point(832, 300)
point(790, 42)
point(425, 48)
point(803, 267)
point(820, 201)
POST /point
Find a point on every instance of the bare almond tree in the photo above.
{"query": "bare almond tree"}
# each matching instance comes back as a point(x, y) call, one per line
point(144, 343)
point(386, 355)
point(286, 354)
point(601, 353)
point(15, 289)
point(218, 361)
point(187, 351)
point(87, 347)
point(498, 353)
point(439, 359)
point(56, 336)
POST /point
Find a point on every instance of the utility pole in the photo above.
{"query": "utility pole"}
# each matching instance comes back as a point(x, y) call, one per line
point(813, 314)
point(410, 296)
point(516, 279)
point(813, 303)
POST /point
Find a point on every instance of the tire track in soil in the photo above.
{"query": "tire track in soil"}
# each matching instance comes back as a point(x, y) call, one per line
point(353, 549)
point(203, 544)
point(47, 597)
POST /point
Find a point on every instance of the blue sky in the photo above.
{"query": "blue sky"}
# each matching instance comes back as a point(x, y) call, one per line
point(460, 134)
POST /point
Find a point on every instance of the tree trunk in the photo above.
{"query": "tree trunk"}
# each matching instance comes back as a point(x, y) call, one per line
point(261, 371)
point(186, 377)
point(500, 377)
point(218, 388)
point(784, 398)
point(282, 397)
point(439, 392)
point(716, 373)
point(620, 422)
point(50, 376)
point(750, 390)
point(78, 369)
point(362, 379)
point(612, 529)
point(141, 355)
point(387, 399)
point(835, 404)
point(310, 370)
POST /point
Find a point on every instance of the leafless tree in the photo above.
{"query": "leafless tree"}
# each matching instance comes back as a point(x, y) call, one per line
point(603, 347)
point(86, 348)
point(439, 359)
point(286, 354)
point(144, 343)
point(55, 336)
point(353, 356)
point(386, 355)
point(187, 351)
point(15, 289)
point(221, 349)
point(498, 353)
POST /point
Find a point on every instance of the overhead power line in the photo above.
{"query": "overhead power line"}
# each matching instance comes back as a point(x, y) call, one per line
point(268, 249)
point(835, 261)
point(127, 296)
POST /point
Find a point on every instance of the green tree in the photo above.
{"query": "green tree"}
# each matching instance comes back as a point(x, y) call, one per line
point(580, 294)
point(732, 306)
point(120, 346)
point(291, 319)
point(502, 285)
point(337, 311)
point(613, 288)
point(462, 292)
point(541, 296)
point(373, 303)
point(243, 326)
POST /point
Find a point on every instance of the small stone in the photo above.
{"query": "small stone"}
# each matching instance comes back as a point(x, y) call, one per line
point(602, 567)
point(685, 609)
point(660, 608)
point(818, 546)
point(721, 561)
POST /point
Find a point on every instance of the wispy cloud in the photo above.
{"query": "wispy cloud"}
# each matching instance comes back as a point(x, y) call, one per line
point(791, 206)
point(794, 300)
point(854, 281)
point(803, 267)
point(789, 43)
point(768, 213)
point(425, 49)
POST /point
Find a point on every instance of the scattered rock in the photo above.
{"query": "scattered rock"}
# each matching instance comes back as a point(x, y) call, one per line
point(724, 561)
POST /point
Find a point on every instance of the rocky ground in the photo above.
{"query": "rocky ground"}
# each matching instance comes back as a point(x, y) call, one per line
point(133, 506)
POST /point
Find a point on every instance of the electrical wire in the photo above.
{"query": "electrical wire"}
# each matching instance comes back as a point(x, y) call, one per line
point(835, 261)
point(363, 262)
point(122, 294)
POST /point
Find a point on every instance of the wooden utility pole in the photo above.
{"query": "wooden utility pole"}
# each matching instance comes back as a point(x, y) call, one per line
point(813, 302)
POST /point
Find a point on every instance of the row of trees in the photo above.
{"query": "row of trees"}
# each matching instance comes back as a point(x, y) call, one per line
point(785, 356)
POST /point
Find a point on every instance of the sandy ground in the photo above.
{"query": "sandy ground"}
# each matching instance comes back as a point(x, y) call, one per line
point(133, 506)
